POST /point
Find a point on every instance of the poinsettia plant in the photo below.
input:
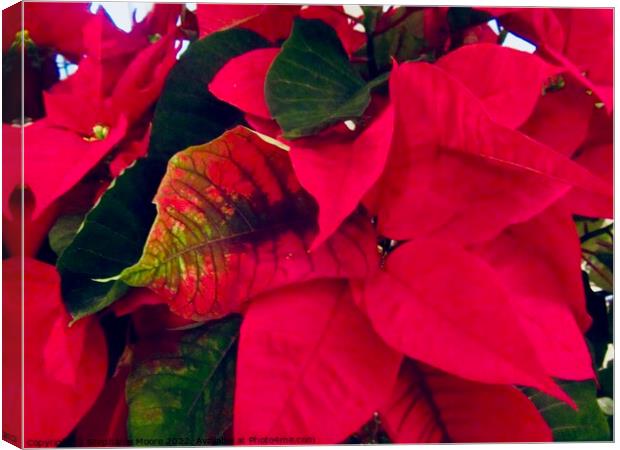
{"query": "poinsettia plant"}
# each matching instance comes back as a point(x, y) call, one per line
point(286, 224)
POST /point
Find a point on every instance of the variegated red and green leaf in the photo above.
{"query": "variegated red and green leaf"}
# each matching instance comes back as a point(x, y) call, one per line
point(232, 222)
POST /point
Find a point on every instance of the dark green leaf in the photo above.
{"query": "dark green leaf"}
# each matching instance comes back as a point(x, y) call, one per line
point(461, 18)
point(63, 232)
point(186, 397)
point(115, 230)
point(311, 83)
point(606, 380)
point(587, 423)
point(187, 114)
point(110, 239)
point(403, 40)
point(371, 16)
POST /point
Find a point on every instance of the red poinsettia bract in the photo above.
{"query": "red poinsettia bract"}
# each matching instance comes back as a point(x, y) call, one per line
point(419, 263)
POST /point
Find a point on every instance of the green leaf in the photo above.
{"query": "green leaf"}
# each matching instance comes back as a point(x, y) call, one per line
point(606, 380)
point(115, 230)
point(311, 83)
point(587, 423)
point(110, 239)
point(187, 114)
point(403, 40)
point(460, 18)
point(63, 232)
point(185, 397)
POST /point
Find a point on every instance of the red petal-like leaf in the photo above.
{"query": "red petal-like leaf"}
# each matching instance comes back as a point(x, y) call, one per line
point(579, 39)
point(140, 84)
point(561, 117)
point(234, 222)
point(160, 20)
point(539, 264)
point(432, 406)
point(271, 21)
point(65, 367)
point(455, 173)
point(241, 82)
point(56, 159)
point(105, 425)
point(507, 81)
point(264, 126)
point(212, 18)
point(597, 155)
point(12, 164)
point(480, 34)
point(339, 173)
point(128, 152)
point(34, 230)
point(86, 93)
point(599, 159)
point(589, 47)
point(105, 41)
point(134, 300)
point(309, 366)
point(439, 304)
point(49, 24)
point(537, 25)
point(12, 349)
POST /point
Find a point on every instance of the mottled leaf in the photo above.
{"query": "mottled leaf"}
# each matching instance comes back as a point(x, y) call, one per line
point(311, 84)
point(185, 396)
point(587, 423)
point(233, 221)
point(115, 230)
